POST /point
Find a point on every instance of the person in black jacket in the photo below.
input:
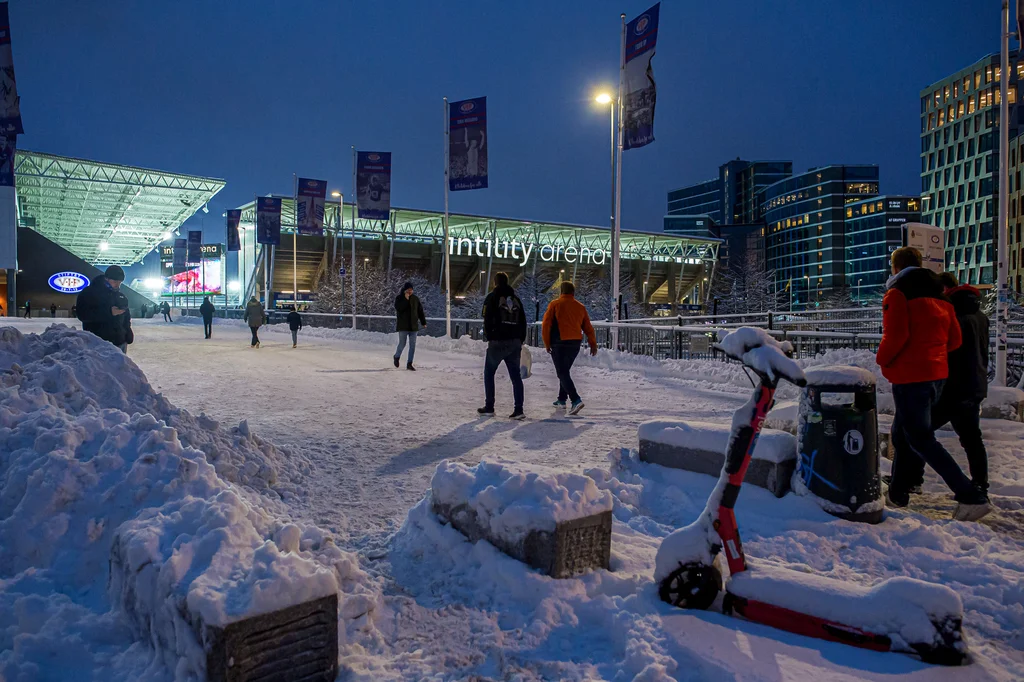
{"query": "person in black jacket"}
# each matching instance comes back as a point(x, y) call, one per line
point(294, 324)
point(206, 310)
point(166, 310)
point(505, 329)
point(103, 309)
point(53, 310)
point(409, 319)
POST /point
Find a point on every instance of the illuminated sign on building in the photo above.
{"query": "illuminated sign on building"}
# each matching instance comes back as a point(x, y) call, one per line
point(68, 282)
point(520, 251)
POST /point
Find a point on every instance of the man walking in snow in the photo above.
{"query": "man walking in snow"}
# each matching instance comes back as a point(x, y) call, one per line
point(206, 310)
point(919, 329)
point(103, 309)
point(565, 322)
point(409, 319)
point(967, 385)
point(166, 310)
point(294, 324)
point(505, 329)
point(254, 314)
point(53, 310)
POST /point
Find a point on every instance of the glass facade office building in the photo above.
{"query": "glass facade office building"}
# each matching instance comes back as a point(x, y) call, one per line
point(734, 197)
point(805, 236)
point(960, 162)
point(874, 229)
point(702, 199)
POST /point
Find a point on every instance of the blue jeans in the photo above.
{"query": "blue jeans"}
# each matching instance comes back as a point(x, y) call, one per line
point(402, 338)
point(509, 352)
point(563, 354)
point(914, 443)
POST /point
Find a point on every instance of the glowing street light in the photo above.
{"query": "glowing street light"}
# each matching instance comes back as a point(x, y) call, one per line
point(603, 98)
point(104, 246)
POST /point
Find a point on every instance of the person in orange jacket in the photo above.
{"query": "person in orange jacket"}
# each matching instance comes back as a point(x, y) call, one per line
point(565, 322)
point(919, 329)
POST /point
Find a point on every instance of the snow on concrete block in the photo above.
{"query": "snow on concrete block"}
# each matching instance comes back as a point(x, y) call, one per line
point(839, 375)
point(700, 446)
point(558, 523)
point(1003, 403)
point(295, 644)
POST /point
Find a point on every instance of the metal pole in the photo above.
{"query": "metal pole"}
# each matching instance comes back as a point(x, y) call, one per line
point(446, 249)
point(340, 230)
point(391, 247)
point(618, 189)
point(295, 240)
point(355, 204)
point(1003, 298)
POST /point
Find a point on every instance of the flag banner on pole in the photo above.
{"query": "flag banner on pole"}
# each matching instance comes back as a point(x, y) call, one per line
point(373, 185)
point(234, 219)
point(640, 94)
point(1020, 21)
point(467, 144)
point(309, 206)
point(10, 103)
point(8, 146)
point(180, 251)
point(268, 220)
point(195, 246)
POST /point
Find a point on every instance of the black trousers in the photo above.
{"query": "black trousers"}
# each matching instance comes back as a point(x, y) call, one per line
point(965, 418)
point(255, 337)
point(208, 327)
point(563, 354)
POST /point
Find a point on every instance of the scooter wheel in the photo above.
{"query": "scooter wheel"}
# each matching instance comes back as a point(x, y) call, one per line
point(691, 586)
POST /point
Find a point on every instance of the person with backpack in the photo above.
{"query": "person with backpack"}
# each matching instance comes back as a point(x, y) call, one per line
point(254, 315)
point(505, 329)
point(919, 330)
point(565, 322)
point(409, 319)
point(294, 324)
point(206, 310)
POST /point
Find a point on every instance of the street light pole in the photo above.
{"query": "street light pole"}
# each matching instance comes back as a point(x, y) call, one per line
point(1003, 294)
point(617, 215)
point(859, 300)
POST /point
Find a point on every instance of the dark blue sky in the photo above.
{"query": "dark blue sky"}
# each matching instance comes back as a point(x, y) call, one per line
point(252, 92)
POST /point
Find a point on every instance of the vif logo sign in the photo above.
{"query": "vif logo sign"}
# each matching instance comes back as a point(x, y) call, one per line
point(641, 24)
point(467, 107)
point(373, 157)
point(68, 282)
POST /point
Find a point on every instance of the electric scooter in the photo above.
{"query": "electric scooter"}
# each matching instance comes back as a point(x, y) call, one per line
point(898, 614)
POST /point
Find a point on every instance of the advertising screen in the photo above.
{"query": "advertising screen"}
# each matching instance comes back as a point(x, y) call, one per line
point(204, 278)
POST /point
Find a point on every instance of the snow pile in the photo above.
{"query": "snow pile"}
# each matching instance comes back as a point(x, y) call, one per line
point(839, 375)
point(1003, 403)
point(116, 524)
point(513, 504)
point(773, 446)
point(759, 350)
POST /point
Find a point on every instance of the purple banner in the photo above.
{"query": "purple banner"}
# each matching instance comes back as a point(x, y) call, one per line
point(640, 92)
point(309, 206)
point(10, 103)
point(467, 144)
point(195, 246)
point(268, 220)
point(373, 185)
point(234, 219)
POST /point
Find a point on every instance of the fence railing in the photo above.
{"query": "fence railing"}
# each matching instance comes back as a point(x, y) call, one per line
point(650, 337)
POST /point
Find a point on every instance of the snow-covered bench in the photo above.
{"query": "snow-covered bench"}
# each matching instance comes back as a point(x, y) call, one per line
point(700, 446)
point(558, 523)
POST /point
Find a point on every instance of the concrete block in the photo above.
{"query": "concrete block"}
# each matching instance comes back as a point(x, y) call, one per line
point(575, 546)
point(772, 476)
point(1003, 403)
point(295, 644)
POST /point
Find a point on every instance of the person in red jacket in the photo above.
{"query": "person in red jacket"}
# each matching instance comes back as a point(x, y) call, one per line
point(919, 329)
point(565, 322)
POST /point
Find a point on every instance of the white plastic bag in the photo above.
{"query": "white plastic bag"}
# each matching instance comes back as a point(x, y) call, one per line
point(526, 362)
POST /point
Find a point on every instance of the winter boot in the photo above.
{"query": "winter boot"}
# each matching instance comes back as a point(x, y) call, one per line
point(971, 512)
point(558, 403)
point(577, 405)
point(893, 499)
point(396, 362)
point(410, 367)
point(517, 416)
point(485, 410)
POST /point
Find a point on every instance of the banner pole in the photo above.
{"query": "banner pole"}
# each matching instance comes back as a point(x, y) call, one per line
point(1002, 293)
point(616, 229)
point(445, 248)
point(355, 208)
point(295, 240)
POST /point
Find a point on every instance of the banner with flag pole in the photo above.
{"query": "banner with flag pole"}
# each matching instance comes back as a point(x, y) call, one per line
point(640, 92)
point(234, 220)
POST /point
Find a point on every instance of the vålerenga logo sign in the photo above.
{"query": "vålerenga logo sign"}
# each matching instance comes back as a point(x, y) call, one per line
point(521, 251)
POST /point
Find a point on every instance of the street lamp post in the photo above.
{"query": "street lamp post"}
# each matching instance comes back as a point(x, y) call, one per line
point(807, 289)
point(1002, 286)
point(337, 230)
point(607, 99)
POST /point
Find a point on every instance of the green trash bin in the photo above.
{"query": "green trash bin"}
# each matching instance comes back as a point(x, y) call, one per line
point(837, 439)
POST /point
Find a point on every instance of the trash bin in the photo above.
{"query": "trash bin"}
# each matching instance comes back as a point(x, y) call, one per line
point(837, 439)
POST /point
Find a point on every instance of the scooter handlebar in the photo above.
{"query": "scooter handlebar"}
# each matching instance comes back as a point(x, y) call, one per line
point(770, 362)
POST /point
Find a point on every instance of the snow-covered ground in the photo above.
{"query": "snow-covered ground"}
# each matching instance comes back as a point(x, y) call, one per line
point(359, 442)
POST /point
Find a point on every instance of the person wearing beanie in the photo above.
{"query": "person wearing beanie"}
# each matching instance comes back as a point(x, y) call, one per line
point(409, 319)
point(103, 309)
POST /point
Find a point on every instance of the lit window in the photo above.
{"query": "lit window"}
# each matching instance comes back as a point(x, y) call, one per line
point(849, 213)
point(977, 81)
point(950, 114)
point(942, 117)
point(945, 93)
point(956, 89)
point(960, 107)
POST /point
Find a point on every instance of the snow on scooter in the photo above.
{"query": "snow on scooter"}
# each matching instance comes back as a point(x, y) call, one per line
point(898, 614)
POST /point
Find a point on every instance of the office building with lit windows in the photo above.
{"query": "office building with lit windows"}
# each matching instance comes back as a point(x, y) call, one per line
point(873, 230)
point(733, 198)
point(960, 161)
point(805, 218)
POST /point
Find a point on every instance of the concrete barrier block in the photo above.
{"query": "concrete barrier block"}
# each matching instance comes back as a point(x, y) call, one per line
point(294, 644)
point(574, 547)
point(700, 447)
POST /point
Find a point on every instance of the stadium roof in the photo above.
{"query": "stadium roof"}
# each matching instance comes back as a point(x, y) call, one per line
point(421, 225)
point(83, 205)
